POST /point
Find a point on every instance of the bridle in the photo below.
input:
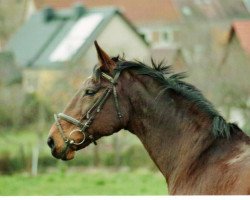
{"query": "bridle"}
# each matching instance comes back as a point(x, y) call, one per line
point(90, 114)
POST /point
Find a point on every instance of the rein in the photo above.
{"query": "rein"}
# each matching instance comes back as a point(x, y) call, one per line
point(94, 110)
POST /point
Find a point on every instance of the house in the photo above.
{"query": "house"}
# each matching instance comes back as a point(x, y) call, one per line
point(52, 41)
point(158, 20)
point(212, 10)
point(235, 67)
point(205, 27)
point(237, 49)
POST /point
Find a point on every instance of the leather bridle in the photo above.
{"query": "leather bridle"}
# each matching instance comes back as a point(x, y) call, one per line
point(90, 114)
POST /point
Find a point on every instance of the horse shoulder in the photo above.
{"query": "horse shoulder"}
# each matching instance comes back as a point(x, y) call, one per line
point(230, 175)
point(240, 164)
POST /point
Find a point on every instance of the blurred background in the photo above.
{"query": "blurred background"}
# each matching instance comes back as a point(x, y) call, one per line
point(46, 51)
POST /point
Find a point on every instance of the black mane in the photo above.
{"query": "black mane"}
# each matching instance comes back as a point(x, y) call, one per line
point(163, 74)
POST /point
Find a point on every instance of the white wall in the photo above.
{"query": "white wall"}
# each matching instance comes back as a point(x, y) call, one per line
point(119, 38)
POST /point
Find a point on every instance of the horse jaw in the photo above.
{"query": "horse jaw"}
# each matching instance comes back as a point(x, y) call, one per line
point(65, 155)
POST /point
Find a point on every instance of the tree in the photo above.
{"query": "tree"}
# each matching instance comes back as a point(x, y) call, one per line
point(11, 16)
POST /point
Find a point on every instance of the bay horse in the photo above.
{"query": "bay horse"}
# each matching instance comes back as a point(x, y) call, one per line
point(193, 146)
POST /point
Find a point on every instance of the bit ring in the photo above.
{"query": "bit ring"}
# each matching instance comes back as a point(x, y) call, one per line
point(71, 141)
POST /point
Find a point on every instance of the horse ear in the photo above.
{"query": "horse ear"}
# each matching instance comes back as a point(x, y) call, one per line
point(106, 63)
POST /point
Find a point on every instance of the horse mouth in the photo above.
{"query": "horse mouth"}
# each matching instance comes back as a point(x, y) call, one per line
point(68, 156)
point(65, 155)
point(68, 152)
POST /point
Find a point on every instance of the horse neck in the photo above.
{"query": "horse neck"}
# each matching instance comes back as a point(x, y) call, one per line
point(172, 130)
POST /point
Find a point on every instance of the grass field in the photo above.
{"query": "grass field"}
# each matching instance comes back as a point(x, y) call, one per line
point(61, 178)
point(84, 182)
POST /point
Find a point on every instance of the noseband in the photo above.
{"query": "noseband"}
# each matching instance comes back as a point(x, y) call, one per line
point(90, 115)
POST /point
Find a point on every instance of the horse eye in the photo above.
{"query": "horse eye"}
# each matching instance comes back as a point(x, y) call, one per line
point(90, 92)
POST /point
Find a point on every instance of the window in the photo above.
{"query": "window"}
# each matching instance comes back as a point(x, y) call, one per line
point(166, 36)
point(155, 37)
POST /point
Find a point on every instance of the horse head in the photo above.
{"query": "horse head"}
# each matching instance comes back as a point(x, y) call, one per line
point(98, 109)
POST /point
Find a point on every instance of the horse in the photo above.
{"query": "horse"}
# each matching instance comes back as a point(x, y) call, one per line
point(193, 146)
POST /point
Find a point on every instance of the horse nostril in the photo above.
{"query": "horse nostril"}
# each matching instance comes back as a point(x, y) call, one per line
point(51, 142)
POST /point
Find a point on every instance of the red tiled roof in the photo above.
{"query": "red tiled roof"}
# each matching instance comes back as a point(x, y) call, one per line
point(138, 11)
point(57, 4)
point(242, 32)
point(212, 9)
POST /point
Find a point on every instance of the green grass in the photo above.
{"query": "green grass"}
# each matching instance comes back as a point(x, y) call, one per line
point(12, 140)
point(84, 182)
point(74, 182)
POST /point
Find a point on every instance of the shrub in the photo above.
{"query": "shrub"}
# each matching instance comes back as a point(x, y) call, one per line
point(136, 156)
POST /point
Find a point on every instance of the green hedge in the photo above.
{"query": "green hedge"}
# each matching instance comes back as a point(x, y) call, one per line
point(134, 157)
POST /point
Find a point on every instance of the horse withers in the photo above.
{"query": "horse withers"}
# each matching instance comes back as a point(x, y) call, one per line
point(195, 149)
